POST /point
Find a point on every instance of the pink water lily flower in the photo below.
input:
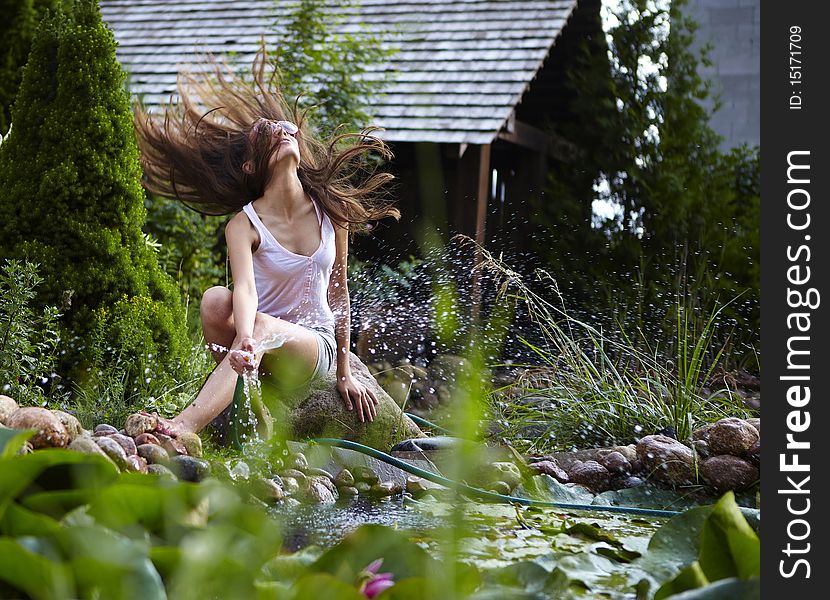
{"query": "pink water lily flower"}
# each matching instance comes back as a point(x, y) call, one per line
point(373, 582)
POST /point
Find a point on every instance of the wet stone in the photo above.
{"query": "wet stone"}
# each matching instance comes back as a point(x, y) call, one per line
point(316, 491)
point(363, 487)
point(499, 487)
point(727, 472)
point(136, 464)
point(104, 429)
point(154, 455)
point(49, 431)
point(665, 459)
point(161, 471)
point(319, 472)
point(299, 476)
point(7, 407)
point(192, 444)
point(550, 467)
point(383, 489)
point(591, 474)
point(70, 423)
point(297, 461)
point(137, 424)
point(732, 436)
point(347, 491)
point(615, 462)
point(416, 486)
point(172, 445)
point(363, 473)
point(290, 486)
point(189, 468)
point(702, 448)
point(125, 442)
point(344, 478)
point(754, 453)
point(268, 490)
point(623, 483)
point(147, 438)
point(276, 479)
point(113, 450)
point(501, 471)
point(86, 445)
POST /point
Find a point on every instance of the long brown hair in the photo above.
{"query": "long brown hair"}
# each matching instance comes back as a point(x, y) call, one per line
point(196, 151)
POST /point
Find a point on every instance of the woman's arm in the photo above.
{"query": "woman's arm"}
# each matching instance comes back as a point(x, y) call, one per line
point(352, 391)
point(240, 237)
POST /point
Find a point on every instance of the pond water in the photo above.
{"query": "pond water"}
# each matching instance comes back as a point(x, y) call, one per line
point(594, 549)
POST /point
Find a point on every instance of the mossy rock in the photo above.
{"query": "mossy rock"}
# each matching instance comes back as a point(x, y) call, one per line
point(319, 411)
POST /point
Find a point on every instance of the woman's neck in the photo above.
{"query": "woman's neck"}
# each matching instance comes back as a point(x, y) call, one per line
point(284, 194)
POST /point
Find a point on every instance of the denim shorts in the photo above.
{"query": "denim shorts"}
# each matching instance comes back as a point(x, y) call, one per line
point(326, 351)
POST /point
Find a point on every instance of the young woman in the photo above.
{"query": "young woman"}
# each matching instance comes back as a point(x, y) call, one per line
point(230, 145)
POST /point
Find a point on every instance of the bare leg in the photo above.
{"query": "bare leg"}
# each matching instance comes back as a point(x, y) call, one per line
point(216, 312)
point(217, 393)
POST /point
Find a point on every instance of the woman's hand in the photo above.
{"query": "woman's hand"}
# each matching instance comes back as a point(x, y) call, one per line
point(243, 359)
point(356, 394)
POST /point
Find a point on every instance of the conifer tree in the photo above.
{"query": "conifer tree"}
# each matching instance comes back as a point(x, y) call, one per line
point(71, 199)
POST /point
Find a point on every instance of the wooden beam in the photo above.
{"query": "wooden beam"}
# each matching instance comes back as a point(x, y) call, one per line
point(531, 137)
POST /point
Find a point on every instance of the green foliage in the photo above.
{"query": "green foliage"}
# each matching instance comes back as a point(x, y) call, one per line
point(597, 387)
point(70, 196)
point(122, 377)
point(190, 248)
point(29, 339)
point(332, 70)
point(686, 213)
point(705, 545)
point(18, 23)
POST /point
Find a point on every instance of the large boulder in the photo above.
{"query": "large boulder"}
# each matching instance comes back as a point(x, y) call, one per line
point(319, 411)
point(665, 459)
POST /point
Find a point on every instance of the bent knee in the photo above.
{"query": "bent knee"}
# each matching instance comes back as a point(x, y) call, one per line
point(217, 304)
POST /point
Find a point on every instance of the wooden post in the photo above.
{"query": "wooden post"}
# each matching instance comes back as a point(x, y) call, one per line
point(483, 194)
point(482, 197)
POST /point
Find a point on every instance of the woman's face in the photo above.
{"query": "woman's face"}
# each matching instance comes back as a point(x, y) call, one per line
point(283, 134)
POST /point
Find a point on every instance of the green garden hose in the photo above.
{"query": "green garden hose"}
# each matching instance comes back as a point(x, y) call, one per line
point(236, 441)
point(484, 494)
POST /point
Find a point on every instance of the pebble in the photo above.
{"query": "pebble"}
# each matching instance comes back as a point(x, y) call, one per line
point(365, 474)
point(104, 429)
point(154, 455)
point(550, 467)
point(113, 450)
point(147, 438)
point(161, 471)
point(189, 468)
point(344, 478)
point(125, 442)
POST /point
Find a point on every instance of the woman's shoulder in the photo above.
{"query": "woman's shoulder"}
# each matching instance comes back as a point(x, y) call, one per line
point(239, 225)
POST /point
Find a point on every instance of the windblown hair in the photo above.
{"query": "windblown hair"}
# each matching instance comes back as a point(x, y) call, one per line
point(196, 151)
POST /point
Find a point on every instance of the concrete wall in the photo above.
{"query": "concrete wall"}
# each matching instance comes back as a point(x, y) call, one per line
point(733, 27)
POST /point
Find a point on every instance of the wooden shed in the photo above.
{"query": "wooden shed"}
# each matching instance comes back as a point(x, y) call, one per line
point(472, 96)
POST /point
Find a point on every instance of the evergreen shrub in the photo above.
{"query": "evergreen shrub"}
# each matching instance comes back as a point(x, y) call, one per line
point(71, 199)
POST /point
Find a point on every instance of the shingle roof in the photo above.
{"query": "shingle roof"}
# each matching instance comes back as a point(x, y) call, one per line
point(458, 71)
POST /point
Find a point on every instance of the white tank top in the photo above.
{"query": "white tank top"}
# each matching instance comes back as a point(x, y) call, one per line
point(291, 286)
